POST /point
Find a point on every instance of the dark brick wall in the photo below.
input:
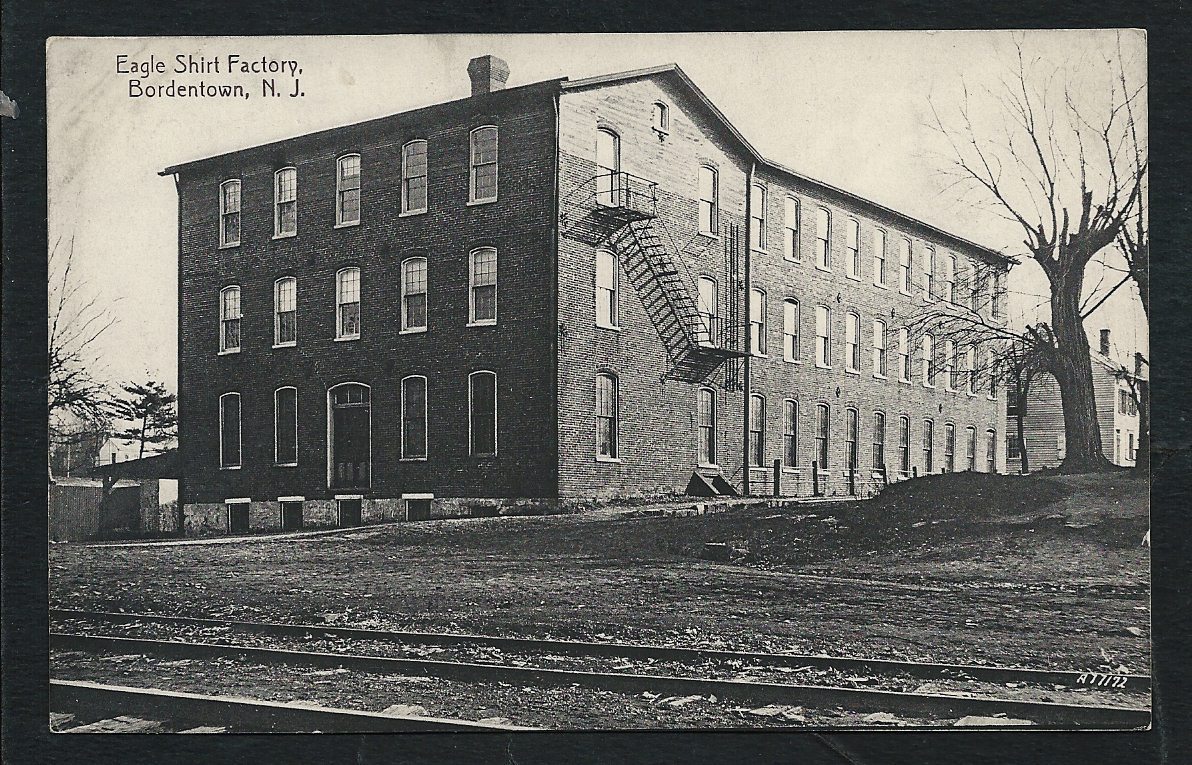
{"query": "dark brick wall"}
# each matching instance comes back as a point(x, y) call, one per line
point(517, 348)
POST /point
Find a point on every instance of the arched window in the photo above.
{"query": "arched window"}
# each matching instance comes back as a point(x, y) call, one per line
point(790, 238)
point(413, 177)
point(823, 239)
point(285, 202)
point(790, 329)
point(708, 307)
point(904, 445)
point(928, 447)
point(850, 438)
point(927, 349)
point(757, 430)
point(757, 216)
point(285, 426)
point(904, 266)
point(823, 342)
point(229, 213)
point(971, 369)
point(949, 448)
point(229, 319)
point(285, 312)
point(608, 168)
point(661, 117)
point(879, 348)
point(413, 417)
point(757, 322)
point(482, 286)
point(229, 431)
point(950, 364)
point(709, 200)
point(971, 448)
point(879, 440)
point(950, 278)
point(879, 257)
point(852, 341)
point(904, 355)
point(607, 409)
point(991, 451)
point(482, 413)
point(706, 425)
point(852, 247)
point(929, 274)
point(822, 435)
point(790, 433)
point(413, 294)
point(347, 304)
point(347, 190)
point(608, 277)
point(483, 151)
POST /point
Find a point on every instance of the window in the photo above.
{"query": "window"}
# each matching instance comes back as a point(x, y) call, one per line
point(850, 438)
point(661, 117)
point(822, 420)
point(229, 430)
point(229, 320)
point(1013, 447)
point(285, 311)
point(607, 278)
point(285, 202)
point(1130, 453)
point(482, 413)
point(928, 447)
point(757, 322)
point(1122, 396)
point(823, 346)
point(709, 200)
point(823, 238)
point(1132, 405)
point(347, 190)
point(928, 353)
point(879, 348)
point(904, 355)
point(285, 426)
point(757, 217)
point(904, 266)
point(999, 294)
point(993, 370)
point(413, 417)
point(950, 448)
point(879, 440)
point(950, 278)
point(879, 257)
point(608, 168)
point(413, 177)
point(229, 213)
point(852, 342)
point(980, 286)
point(347, 304)
point(950, 364)
point(929, 274)
point(790, 433)
point(483, 186)
point(852, 248)
point(790, 330)
point(904, 445)
point(482, 291)
point(706, 425)
point(971, 365)
point(1117, 446)
point(790, 234)
point(606, 416)
point(757, 427)
point(708, 310)
point(413, 294)
point(971, 448)
point(991, 451)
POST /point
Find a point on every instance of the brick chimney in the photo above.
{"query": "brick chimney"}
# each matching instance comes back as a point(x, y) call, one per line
point(1105, 342)
point(488, 73)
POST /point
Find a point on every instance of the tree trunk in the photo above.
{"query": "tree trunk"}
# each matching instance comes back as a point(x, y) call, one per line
point(1021, 417)
point(1072, 367)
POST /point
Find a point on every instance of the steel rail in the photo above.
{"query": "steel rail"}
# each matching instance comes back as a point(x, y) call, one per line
point(89, 700)
point(860, 700)
point(993, 674)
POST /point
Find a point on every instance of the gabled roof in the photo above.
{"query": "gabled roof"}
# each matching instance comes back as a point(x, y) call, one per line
point(678, 74)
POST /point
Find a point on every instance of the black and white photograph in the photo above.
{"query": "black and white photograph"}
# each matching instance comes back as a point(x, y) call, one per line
point(697, 381)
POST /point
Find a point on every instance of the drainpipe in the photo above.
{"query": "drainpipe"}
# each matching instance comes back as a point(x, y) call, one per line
point(553, 319)
point(748, 333)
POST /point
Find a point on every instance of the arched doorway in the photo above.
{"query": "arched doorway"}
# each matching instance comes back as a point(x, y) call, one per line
point(349, 436)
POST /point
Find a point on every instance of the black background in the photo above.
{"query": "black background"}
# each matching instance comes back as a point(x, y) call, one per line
point(24, 28)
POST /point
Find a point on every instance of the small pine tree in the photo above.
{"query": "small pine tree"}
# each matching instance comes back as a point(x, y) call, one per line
point(149, 408)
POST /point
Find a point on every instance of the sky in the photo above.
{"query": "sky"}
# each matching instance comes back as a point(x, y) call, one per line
point(853, 109)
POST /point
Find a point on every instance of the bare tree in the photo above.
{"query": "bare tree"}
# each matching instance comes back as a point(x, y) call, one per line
point(1062, 177)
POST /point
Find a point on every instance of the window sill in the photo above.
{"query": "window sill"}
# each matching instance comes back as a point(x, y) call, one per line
point(486, 323)
point(478, 202)
point(611, 460)
point(881, 286)
point(229, 246)
point(490, 456)
point(825, 269)
point(848, 371)
point(759, 250)
point(411, 459)
point(904, 292)
point(412, 213)
point(791, 361)
point(230, 467)
point(611, 327)
point(710, 235)
point(759, 469)
point(823, 366)
point(412, 331)
point(904, 381)
point(347, 339)
point(285, 345)
point(757, 355)
point(285, 236)
point(285, 464)
point(347, 224)
point(708, 465)
point(928, 387)
point(854, 277)
point(230, 352)
point(791, 259)
point(791, 470)
point(876, 376)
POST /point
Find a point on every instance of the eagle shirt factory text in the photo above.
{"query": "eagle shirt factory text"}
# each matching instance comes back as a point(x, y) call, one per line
point(280, 77)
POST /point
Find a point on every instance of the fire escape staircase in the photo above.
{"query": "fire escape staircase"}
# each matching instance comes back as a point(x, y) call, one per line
point(620, 211)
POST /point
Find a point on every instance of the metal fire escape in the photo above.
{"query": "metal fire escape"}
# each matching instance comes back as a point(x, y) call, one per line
point(620, 211)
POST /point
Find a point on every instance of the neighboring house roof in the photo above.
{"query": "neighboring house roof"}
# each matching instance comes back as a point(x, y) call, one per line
point(674, 71)
point(164, 465)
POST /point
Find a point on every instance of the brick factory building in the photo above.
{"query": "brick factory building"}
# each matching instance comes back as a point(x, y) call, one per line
point(547, 294)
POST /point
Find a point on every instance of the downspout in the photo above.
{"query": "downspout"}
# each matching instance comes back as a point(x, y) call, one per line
point(553, 319)
point(748, 327)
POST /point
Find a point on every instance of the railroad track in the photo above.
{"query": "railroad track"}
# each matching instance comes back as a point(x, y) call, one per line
point(930, 706)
